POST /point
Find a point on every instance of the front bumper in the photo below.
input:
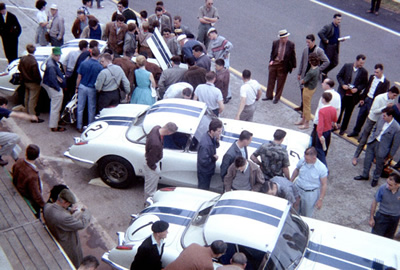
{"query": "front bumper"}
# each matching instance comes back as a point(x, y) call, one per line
point(105, 258)
point(81, 162)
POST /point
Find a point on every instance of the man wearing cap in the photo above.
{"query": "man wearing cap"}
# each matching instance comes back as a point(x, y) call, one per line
point(208, 16)
point(187, 45)
point(10, 29)
point(64, 226)
point(81, 21)
point(53, 83)
point(149, 253)
point(56, 27)
point(220, 47)
point(282, 62)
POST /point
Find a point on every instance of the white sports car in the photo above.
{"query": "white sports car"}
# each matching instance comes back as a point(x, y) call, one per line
point(265, 228)
point(115, 142)
point(41, 55)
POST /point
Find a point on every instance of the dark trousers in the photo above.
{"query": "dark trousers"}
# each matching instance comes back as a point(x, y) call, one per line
point(55, 42)
point(363, 114)
point(321, 154)
point(347, 109)
point(385, 225)
point(375, 5)
point(107, 99)
point(364, 137)
point(204, 180)
point(372, 150)
point(276, 73)
point(10, 45)
point(332, 52)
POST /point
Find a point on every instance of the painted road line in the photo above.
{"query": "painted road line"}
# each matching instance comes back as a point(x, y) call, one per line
point(23, 8)
point(357, 18)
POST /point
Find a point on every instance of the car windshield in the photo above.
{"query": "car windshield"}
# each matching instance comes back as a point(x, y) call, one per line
point(194, 232)
point(291, 244)
point(135, 132)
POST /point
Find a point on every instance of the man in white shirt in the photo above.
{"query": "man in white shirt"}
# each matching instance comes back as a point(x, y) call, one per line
point(178, 90)
point(377, 84)
point(250, 92)
point(382, 146)
point(381, 102)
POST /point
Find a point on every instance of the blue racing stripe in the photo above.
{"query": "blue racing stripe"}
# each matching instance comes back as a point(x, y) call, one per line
point(323, 259)
point(161, 50)
point(344, 256)
point(247, 214)
point(255, 142)
point(176, 105)
point(121, 118)
point(170, 210)
point(172, 110)
point(253, 206)
point(118, 123)
point(174, 219)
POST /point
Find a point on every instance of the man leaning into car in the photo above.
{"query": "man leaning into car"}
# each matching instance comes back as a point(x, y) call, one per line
point(154, 153)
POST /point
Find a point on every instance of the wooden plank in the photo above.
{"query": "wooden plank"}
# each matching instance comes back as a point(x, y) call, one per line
point(18, 249)
point(31, 248)
point(24, 211)
point(9, 217)
point(9, 251)
point(45, 252)
point(3, 221)
point(53, 248)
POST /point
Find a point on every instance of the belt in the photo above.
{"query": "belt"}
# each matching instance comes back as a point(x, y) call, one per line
point(308, 190)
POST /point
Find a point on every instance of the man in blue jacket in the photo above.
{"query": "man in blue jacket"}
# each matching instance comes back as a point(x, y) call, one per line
point(53, 82)
point(207, 154)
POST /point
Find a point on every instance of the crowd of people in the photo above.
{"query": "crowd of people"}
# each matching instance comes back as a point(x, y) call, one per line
point(104, 80)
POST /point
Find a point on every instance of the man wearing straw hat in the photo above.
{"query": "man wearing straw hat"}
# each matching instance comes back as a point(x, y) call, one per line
point(282, 62)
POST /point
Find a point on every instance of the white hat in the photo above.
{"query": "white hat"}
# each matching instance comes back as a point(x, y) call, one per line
point(212, 29)
point(283, 33)
point(181, 37)
point(53, 6)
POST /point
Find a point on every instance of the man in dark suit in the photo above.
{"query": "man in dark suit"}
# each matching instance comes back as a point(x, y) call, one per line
point(282, 62)
point(329, 36)
point(237, 149)
point(352, 79)
point(377, 85)
point(149, 253)
point(382, 145)
point(10, 29)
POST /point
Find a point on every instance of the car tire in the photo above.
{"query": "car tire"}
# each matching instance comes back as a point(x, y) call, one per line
point(116, 171)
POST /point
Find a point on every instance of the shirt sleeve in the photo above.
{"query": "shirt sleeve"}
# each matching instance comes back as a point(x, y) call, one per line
point(300, 163)
point(243, 92)
point(379, 193)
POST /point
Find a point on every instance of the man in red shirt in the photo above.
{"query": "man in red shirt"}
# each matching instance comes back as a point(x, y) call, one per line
point(326, 117)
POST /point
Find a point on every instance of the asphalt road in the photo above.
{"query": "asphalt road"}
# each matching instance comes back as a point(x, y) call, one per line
point(251, 26)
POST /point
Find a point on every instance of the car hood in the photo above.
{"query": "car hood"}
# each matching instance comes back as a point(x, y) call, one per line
point(333, 246)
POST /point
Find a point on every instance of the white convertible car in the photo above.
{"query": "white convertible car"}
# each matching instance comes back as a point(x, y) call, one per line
point(41, 55)
point(115, 142)
point(265, 228)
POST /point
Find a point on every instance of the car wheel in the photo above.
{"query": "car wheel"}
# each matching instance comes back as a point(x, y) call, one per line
point(116, 172)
